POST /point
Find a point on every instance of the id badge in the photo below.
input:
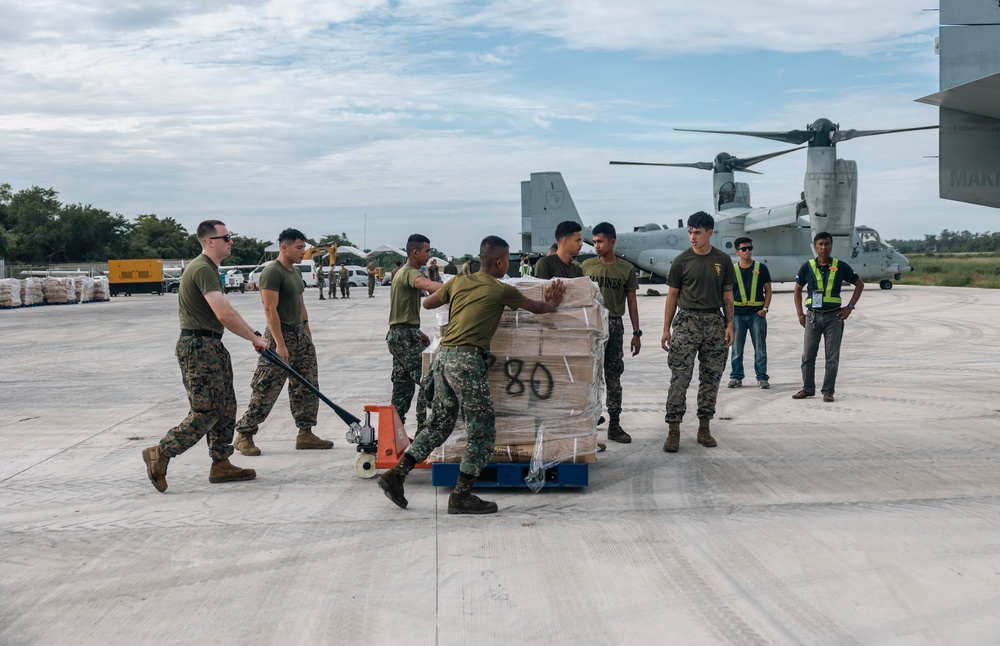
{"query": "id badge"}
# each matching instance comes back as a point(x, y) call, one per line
point(817, 300)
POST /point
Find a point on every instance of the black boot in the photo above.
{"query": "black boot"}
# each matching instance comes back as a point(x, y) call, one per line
point(392, 480)
point(615, 431)
point(462, 500)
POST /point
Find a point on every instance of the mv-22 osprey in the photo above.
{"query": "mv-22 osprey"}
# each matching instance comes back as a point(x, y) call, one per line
point(782, 235)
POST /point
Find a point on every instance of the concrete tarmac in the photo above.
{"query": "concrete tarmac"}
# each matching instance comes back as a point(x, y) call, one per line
point(871, 520)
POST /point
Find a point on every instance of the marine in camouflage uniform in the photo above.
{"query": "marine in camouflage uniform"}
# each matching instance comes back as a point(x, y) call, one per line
point(700, 284)
point(405, 340)
point(282, 291)
point(206, 368)
point(459, 374)
point(618, 284)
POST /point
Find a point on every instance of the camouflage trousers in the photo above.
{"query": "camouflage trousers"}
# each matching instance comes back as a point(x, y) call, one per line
point(406, 348)
point(269, 379)
point(701, 335)
point(459, 382)
point(207, 372)
point(614, 364)
point(345, 288)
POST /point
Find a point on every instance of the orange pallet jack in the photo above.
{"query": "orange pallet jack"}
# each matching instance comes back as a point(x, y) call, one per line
point(381, 449)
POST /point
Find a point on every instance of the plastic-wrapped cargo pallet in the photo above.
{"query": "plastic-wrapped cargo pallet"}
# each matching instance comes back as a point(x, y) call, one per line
point(10, 292)
point(58, 289)
point(84, 288)
point(31, 291)
point(102, 291)
point(546, 381)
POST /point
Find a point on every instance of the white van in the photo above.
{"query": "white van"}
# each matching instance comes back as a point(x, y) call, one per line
point(306, 267)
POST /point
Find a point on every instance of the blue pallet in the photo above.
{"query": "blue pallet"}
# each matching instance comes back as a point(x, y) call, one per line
point(499, 474)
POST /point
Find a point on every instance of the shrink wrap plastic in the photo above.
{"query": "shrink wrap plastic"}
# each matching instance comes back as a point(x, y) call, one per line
point(546, 381)
point(102, 289)
point(59, 289)
point(31, 291)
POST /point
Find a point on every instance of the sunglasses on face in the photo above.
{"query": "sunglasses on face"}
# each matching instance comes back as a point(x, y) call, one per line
point(228, 237)
point(750, 248)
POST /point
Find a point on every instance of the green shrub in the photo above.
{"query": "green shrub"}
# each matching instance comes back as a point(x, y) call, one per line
point(955, 279)
point(931, 269)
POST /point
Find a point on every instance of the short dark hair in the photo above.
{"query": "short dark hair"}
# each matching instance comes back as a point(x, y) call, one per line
point(701, 220)
point(207, 228)
point(491, 248)
point(822, 235)
point(414, 242)
point(566, 228)
point(606, 229)
point(743, 240)
point(290, 235)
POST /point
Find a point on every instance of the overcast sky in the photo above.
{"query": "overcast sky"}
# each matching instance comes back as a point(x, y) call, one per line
point(380, 119)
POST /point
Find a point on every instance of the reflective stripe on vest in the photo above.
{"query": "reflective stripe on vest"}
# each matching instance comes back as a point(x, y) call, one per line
point(746, 302)
point(828, 296)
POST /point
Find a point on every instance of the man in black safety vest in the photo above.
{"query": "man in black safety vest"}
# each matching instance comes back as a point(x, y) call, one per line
point(823, 277)
point(752, 294)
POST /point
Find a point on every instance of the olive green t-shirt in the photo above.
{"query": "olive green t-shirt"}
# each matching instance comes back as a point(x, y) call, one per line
point(200, 277)
point(700, 279)
point(476, 303)
point(615, 281)
point(289, 285)
point(553, 267)
point(404, 297)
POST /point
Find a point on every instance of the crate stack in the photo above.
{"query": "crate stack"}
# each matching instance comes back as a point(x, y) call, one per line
point(102, 290)
point(59, 290)
point(546, 381)
point(31, 292)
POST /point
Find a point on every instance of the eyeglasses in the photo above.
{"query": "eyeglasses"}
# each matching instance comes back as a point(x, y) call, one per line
point(750, 248)
point(228, 237)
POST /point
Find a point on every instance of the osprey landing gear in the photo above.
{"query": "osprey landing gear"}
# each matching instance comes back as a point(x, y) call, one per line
point(381, 449)
point(885, 284)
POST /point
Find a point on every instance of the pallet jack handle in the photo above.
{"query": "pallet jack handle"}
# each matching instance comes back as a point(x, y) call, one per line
point(272, 356)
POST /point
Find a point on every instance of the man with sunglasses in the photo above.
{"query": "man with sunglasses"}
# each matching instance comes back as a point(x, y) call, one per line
point(205, 365)
point(752, 294)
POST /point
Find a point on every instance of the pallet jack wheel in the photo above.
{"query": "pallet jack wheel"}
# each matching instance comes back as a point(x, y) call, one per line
point(364, 465)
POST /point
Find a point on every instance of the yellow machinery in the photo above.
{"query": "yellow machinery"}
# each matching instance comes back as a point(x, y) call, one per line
point(312, 252)
point(135, 276)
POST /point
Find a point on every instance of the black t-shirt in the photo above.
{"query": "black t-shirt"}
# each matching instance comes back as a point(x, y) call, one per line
point(746, 274)
point(807, 278)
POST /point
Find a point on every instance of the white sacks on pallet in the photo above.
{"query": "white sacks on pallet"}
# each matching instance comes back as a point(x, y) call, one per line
point(10, 292)
point(546, 380)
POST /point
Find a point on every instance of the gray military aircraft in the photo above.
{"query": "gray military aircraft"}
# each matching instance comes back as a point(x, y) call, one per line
point(782, 234)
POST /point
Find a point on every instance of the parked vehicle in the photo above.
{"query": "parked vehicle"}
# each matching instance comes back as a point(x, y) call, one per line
point(306, 267)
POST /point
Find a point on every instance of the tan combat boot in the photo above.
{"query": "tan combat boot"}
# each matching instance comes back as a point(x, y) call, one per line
point(156, 467)
point(244, 444)
point(391, 482)
point(306, 440)
point(673, 437)
point(225, 471)
point(704, 436)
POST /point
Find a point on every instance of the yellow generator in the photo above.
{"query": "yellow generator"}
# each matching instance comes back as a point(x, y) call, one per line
point(135, 276)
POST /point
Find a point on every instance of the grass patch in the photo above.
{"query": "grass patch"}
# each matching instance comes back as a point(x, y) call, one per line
point(954, 270)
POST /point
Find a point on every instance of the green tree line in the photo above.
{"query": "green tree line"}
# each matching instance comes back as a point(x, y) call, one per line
point(951, 242)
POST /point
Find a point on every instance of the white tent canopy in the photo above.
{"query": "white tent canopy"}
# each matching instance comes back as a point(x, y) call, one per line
point(387, 248)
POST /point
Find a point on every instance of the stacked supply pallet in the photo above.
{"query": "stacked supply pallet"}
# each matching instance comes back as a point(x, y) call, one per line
point(10, 292)
point(102, 290)
point(546, 379)
point(59, 290)
point(31, 292)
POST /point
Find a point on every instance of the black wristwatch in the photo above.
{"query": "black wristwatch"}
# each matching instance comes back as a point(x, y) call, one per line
point(637, 333)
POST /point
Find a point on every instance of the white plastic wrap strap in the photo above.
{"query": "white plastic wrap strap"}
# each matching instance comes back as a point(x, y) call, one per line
point(569, 371)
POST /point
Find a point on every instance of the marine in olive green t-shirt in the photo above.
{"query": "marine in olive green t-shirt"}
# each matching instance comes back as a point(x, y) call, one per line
point(404, 298)
point(615, 281)
point(200, 277)
point(289, 285)
point(701, 279)
point(553, 267)
point(476, 303)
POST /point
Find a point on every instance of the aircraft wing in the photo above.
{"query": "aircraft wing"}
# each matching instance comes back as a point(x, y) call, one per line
point(779, 216)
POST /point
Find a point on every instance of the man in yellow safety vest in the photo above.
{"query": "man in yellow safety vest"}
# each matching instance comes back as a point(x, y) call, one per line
point(823, 277)
point(752, 294)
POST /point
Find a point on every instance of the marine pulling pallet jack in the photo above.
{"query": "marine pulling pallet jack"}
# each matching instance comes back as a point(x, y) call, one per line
point(380, 450)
